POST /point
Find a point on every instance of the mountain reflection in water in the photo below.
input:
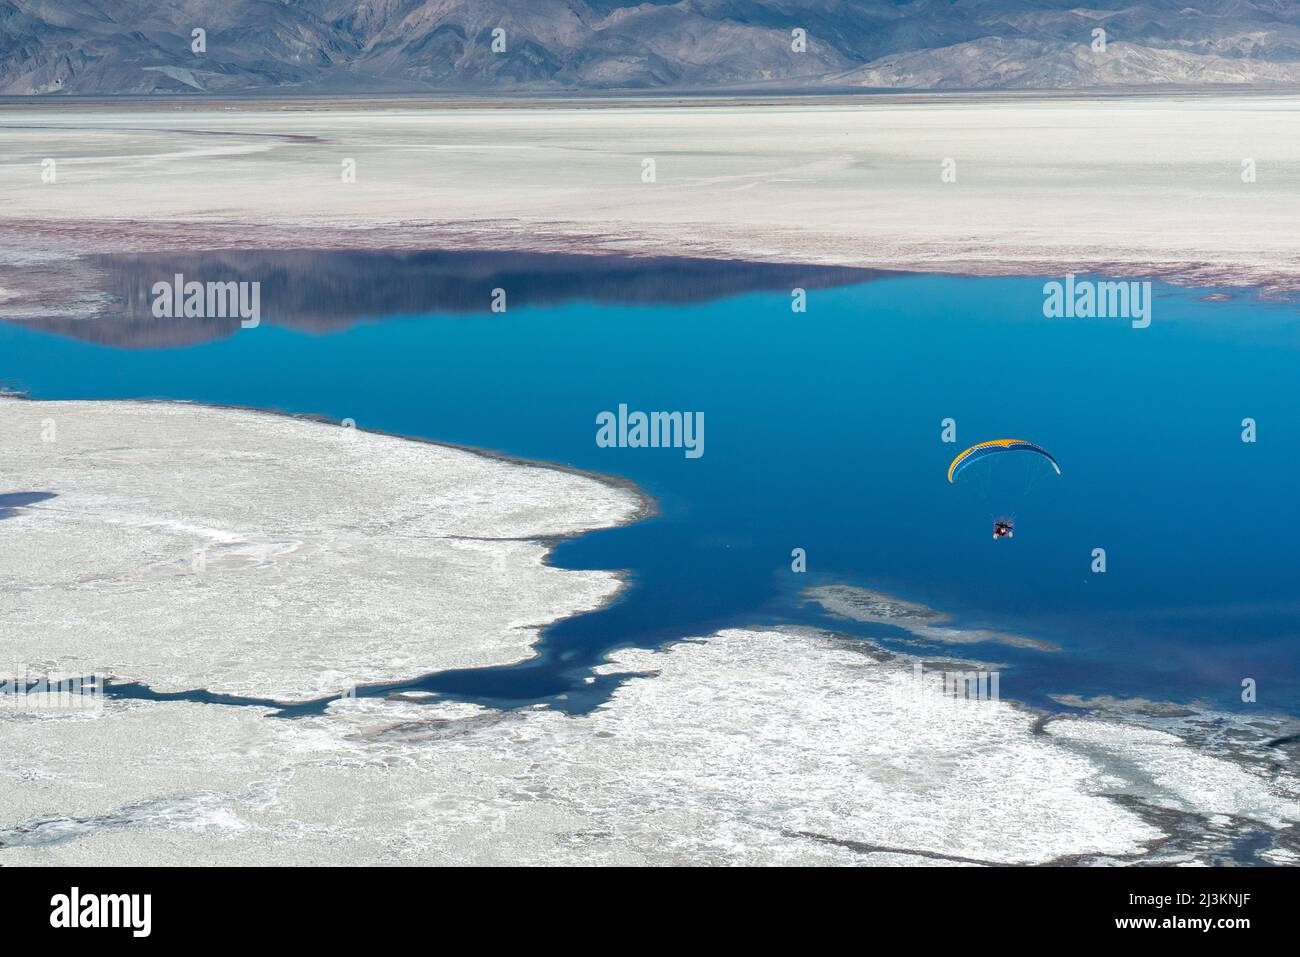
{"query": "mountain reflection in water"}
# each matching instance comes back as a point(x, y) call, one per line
point(326, 291)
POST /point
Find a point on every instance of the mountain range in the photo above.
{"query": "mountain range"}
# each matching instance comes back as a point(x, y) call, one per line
point(327, 47)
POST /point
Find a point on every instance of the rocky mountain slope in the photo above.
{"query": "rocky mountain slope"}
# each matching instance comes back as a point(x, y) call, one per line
point(353, 46)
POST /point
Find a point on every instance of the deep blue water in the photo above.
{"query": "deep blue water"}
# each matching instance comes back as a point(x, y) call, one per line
point(823, 432)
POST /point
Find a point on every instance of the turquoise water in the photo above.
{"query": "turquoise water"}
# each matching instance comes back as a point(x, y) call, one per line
point(823, 432)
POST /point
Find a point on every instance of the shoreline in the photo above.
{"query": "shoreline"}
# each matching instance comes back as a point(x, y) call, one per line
point(647, 508)
point(850, 184)
point(570, 239)
point(243, 534)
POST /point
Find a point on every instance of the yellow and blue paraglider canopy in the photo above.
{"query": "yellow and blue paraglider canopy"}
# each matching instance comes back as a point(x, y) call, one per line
point(994, 447)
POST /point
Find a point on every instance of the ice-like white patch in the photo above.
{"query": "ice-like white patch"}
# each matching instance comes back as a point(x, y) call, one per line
point(1170, 774)
point(741, 748)
point(258, 555)
point(874, 607)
